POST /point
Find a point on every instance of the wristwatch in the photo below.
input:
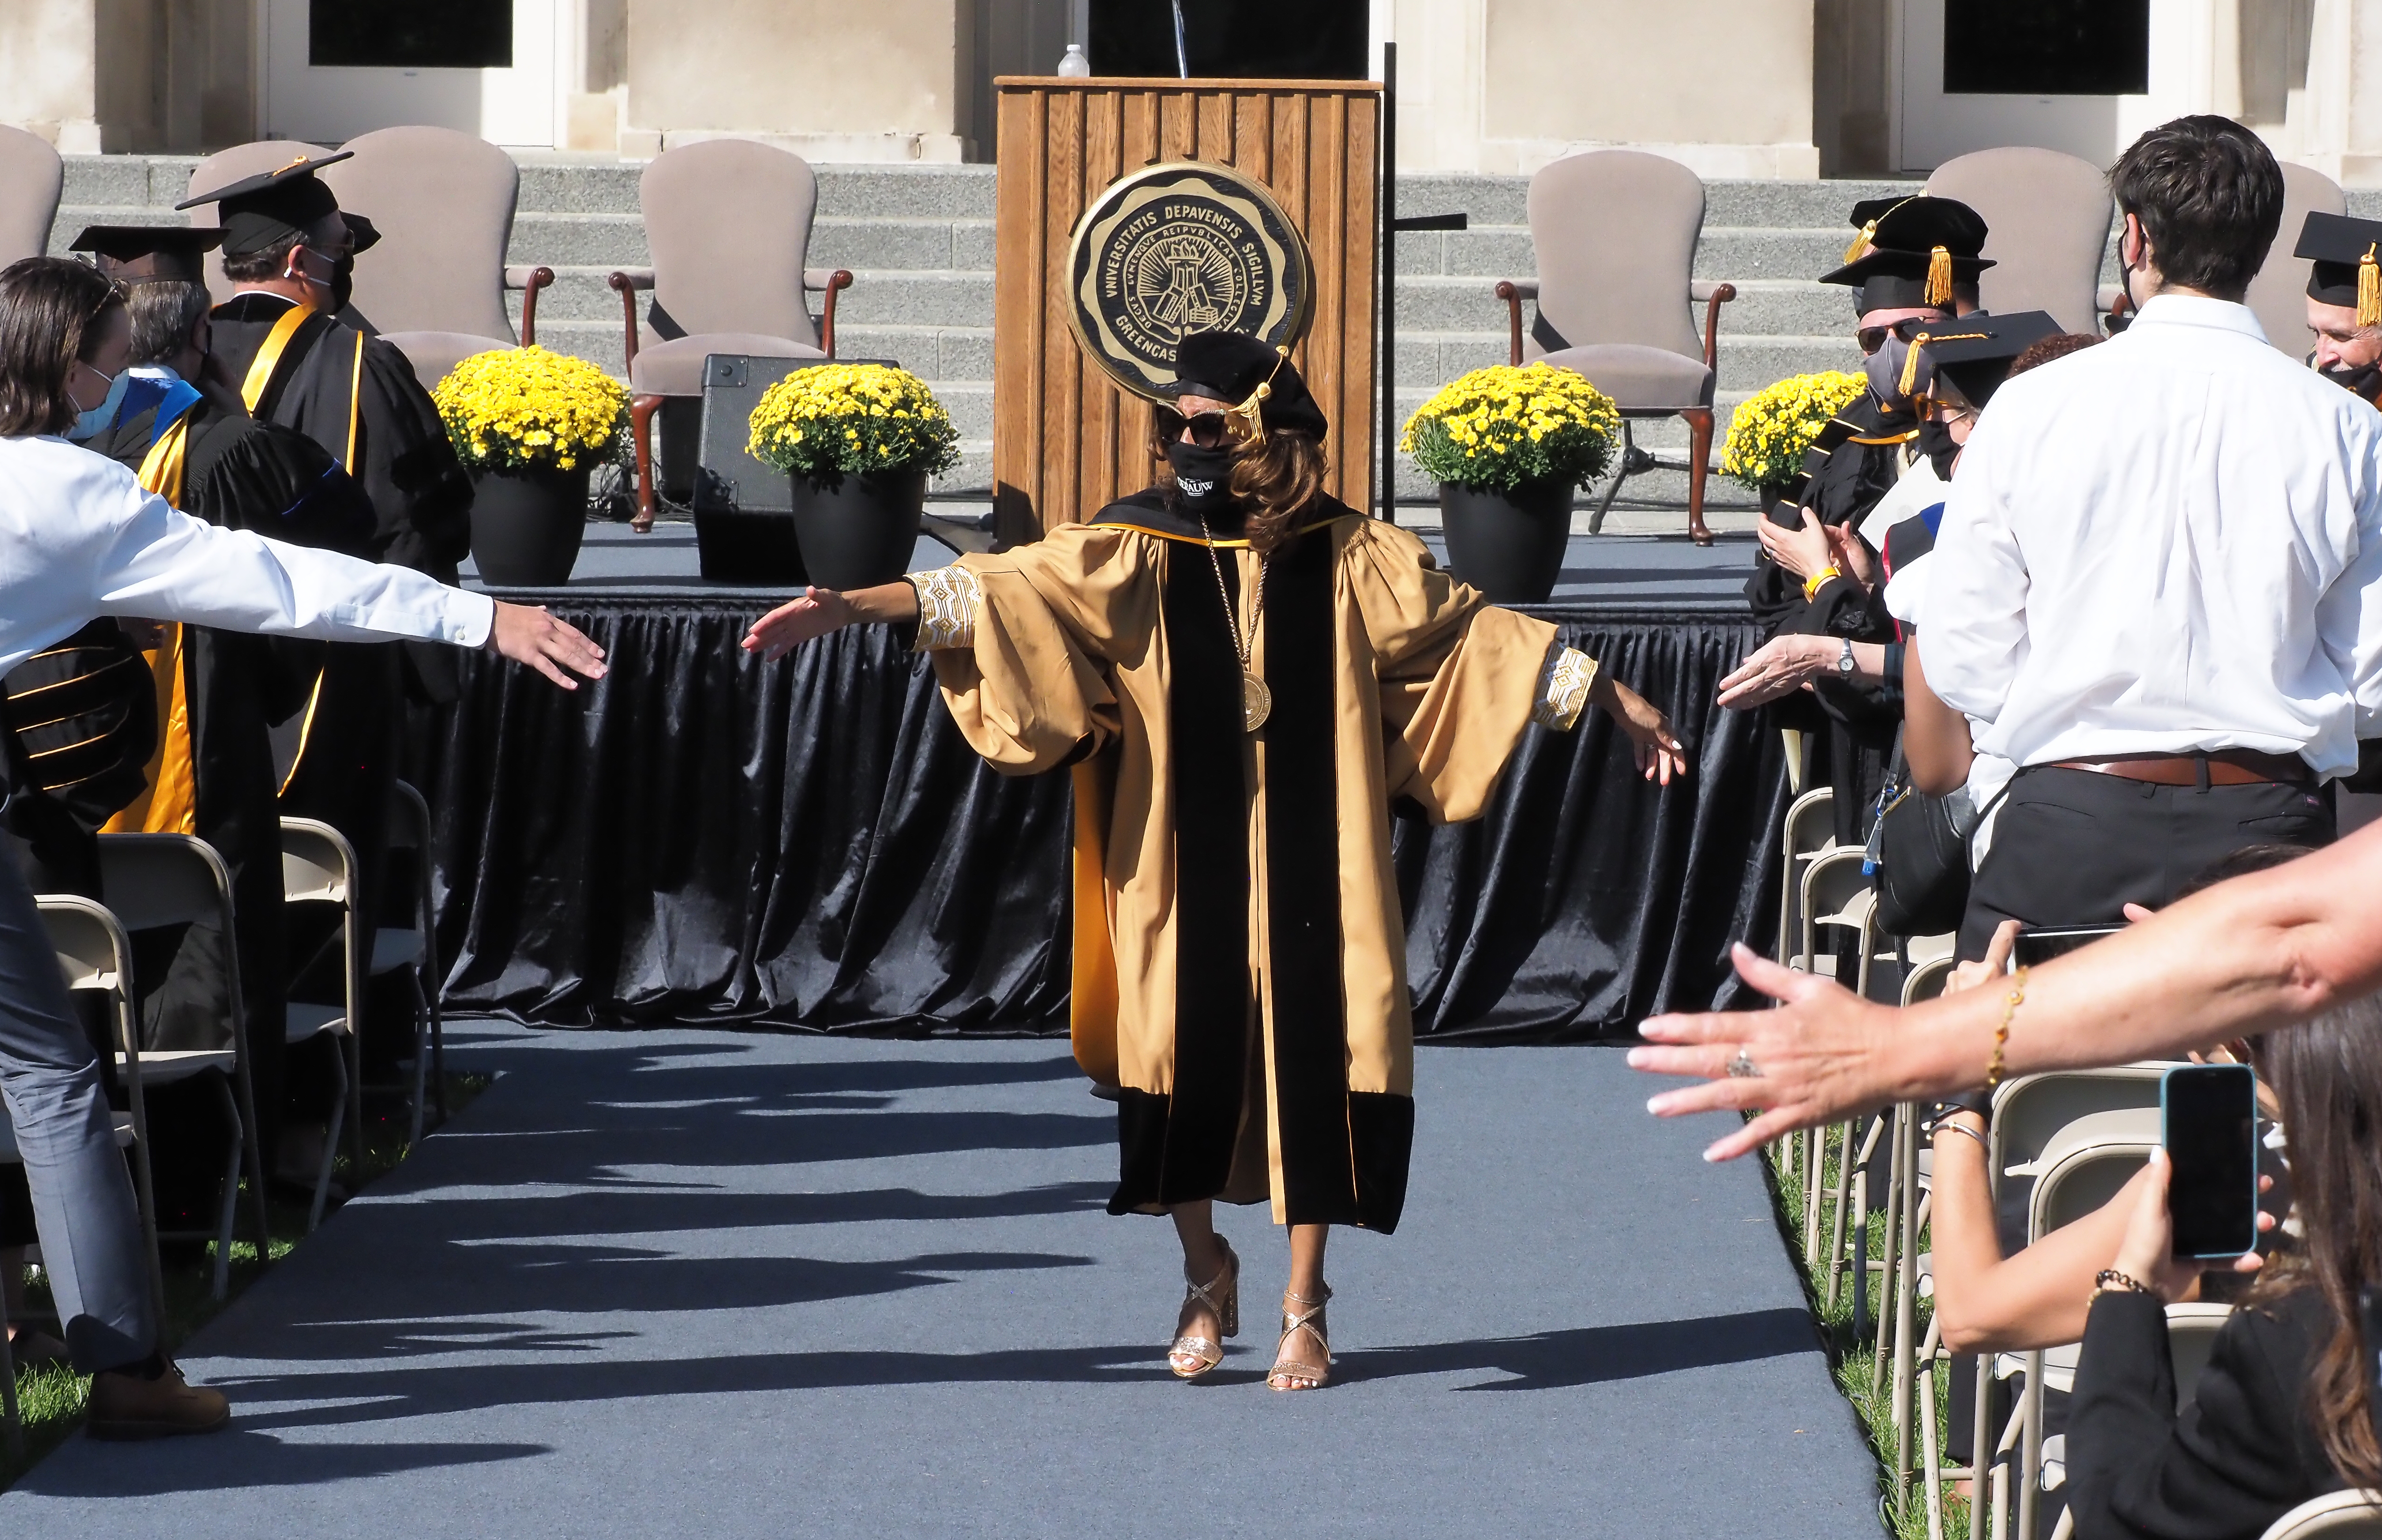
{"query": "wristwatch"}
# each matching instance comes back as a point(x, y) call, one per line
point(1844, 663)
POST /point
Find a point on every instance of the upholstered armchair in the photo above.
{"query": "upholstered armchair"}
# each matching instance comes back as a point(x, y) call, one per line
point(1615, 233)
point(31, 176)
point(728, 223)
point(2047, 220)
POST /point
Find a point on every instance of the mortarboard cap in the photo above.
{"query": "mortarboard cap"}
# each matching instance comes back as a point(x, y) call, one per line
point(148, 253)
point(1975, 352)
point(1230, 366)
point(1911, 250)
point(2344, 271)
point(258, 212)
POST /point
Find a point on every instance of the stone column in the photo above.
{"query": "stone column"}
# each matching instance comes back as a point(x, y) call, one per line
point(49, 76)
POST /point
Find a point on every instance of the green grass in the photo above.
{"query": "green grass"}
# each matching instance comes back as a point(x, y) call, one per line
point(1854, 1359)
point(53, 1399)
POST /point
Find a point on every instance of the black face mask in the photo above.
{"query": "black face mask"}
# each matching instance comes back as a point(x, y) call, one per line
point(2361, 380)
point(343, 283)
point(1200, 479)
point(1935, 443)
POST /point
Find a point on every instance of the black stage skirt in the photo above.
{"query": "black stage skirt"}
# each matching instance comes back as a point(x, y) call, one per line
point(706, 839)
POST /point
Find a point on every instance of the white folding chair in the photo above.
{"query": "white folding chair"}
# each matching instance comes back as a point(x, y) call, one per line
point(2335, 1516)
point(2192, 1331)
point(153, 881)
point(2084, 1168)
point(1810, 829)
point(414, 951)
point(318, 866)
point(93, 953)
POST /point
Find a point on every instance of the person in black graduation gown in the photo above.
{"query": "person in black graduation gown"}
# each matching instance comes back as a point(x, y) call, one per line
point(233, 687)
point(1915, 261)
point(306, 361)
point(2345, 300)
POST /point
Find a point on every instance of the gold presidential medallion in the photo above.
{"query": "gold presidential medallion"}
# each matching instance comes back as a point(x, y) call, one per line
point(1257, 702)
point(1180, 247)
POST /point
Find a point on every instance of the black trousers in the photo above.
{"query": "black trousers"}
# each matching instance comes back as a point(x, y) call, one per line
point(2074, 847)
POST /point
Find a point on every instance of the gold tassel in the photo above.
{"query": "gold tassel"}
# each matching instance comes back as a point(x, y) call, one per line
point(2369, 289)
point(1939, 276)
point(1861, 241)
point(1910, 366)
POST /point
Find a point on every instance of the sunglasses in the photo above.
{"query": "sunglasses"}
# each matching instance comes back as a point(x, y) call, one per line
point(1935, 408)
point(1208, 430)
point(1874, 338)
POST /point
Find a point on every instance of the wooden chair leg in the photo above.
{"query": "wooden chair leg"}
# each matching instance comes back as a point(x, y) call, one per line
point(641, 432)
point(1699, 437)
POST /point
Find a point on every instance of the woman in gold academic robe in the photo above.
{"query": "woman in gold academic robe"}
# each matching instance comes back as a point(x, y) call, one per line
point(1244, 672)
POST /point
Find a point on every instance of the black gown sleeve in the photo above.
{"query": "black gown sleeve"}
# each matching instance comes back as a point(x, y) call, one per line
point(409, 470)
point(281, 484)
point(2239, 1458)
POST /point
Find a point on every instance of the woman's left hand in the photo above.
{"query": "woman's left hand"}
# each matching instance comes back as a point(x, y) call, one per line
point(1801, 551)
point(1658, 752)
point(1776, 668)
point(2147, 1253)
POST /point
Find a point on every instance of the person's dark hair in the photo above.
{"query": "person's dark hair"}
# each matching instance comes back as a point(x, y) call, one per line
point(2210, 197)
point(163, 316)
point(267, 264)
point(2047, 350)
point(1276, 481)
point(2327, 1075)
point(51, 312)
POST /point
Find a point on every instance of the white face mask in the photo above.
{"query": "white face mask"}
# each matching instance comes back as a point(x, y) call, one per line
point(92, 423)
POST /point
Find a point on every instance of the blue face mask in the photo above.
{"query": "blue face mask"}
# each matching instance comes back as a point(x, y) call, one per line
point(92, 423)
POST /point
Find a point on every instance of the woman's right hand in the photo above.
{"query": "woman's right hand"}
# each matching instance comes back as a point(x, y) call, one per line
point(818, 612)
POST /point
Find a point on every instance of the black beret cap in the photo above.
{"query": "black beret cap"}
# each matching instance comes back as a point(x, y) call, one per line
point(1975, 352)
point(2338, 247)
point(259, 212)
point(1894, 261)
point(1229, 365)
point(148, 253)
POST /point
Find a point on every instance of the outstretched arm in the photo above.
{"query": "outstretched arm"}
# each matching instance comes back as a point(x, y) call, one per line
point(2257, 953)
point(821, 610)
point(161, 564)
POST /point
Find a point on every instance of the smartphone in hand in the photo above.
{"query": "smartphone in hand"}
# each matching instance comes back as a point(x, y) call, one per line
point(2208, 1121)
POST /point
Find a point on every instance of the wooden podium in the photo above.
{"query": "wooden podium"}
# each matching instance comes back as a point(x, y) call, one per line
point(1065, 439)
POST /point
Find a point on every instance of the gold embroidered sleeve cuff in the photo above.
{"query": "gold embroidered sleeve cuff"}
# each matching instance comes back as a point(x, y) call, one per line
point(1563, 688)
point(948, 600)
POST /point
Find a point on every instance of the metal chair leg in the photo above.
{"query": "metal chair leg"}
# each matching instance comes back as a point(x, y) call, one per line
point(230, 1206)
point(15, 1414)
point(420, 1059)
point(330, 1138)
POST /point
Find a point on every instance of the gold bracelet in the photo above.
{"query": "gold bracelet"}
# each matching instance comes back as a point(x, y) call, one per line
point(1994, 1069)
point(1819, 580)
point(2110, 1281)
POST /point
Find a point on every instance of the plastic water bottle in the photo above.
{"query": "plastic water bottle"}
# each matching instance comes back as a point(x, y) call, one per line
point(1074, 65)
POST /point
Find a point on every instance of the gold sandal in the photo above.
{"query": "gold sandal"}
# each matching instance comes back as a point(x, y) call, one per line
point(1291, 1373)
point(1202, 1354)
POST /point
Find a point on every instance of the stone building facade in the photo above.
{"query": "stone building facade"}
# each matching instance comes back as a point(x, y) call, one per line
point(1735, 88)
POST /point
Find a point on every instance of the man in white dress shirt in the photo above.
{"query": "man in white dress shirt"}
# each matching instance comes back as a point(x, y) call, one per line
point(79, 539)
point(2156, 578)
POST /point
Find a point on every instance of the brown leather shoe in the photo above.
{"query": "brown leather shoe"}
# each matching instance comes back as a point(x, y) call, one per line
point(126, 1406)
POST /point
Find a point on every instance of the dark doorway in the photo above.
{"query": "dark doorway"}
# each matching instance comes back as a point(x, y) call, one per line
point(1290, 40)
point(2047, 47)
point(411, 34)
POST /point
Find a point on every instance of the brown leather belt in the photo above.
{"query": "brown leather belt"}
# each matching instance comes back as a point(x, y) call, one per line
point(2227, 766)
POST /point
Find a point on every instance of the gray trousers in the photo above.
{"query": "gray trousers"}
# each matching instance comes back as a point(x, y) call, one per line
point(82, 1196)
